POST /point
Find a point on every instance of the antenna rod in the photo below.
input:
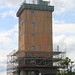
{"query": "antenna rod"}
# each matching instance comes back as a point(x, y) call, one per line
point(49, 2)
point(24, 1)
point(65, 50)
point(33, 1)
point(58, 48)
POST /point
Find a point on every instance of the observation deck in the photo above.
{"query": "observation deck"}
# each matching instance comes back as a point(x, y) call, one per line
point(40, 5)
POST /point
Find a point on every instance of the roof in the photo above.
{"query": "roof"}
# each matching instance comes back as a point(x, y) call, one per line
point(40, 7)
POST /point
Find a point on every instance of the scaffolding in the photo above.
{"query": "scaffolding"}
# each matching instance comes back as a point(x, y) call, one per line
point(25, 58)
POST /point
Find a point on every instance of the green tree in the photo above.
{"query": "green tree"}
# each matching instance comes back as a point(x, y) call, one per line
point(58, 73)
point(66, 67)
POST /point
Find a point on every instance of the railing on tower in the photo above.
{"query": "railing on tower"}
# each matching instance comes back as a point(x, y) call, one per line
point(36, 5)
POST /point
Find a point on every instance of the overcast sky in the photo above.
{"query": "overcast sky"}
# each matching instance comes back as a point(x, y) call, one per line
point(63, 28)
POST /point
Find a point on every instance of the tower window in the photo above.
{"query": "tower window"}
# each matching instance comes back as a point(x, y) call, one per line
point(32, 13)
point(33, 47)
point(33, 36)
point(33, 24)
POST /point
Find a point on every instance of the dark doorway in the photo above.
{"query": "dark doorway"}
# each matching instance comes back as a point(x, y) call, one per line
point(49, 74)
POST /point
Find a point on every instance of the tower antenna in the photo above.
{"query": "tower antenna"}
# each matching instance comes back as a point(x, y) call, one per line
point(58, 48)
point(65, 50)
point(49, 2)
point(24, 1)
point(33, 1)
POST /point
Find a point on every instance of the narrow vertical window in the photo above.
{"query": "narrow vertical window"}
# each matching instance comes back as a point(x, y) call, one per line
point(33, 36)
point(33, 47)
point(32, 13)
point(33, 24)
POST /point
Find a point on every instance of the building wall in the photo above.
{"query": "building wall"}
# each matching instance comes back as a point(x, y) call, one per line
point(42, 30)
point(43, 71)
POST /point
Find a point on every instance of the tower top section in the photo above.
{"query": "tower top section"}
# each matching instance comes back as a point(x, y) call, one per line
point(40, 2)
point(35, 5)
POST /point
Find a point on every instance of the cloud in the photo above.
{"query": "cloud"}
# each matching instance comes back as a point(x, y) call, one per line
point(6, 46)
point(71, 55)
point(2, 69)
point(65, 43)
point(60, 5)
point(67, 29)
point(57, 21)
point(3, 59)
point(11, 3)
point(7, 37)
point(2, 6)
point(63, 5)
point(9, 13)
point(3, 56)
point(64, 36)
point(3, 73)
point(63, 40)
